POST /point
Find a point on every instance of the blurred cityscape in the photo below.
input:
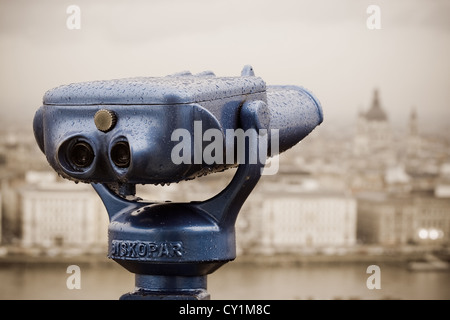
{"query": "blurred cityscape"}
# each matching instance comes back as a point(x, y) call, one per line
point(369, 188)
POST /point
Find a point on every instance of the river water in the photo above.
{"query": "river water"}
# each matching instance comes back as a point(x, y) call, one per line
point(233, 281)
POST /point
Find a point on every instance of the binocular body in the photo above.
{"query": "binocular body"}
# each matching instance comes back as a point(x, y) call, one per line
point(134, 130)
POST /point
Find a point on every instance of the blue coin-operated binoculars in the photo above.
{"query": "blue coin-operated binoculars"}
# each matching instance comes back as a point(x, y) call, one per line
point(157, 130)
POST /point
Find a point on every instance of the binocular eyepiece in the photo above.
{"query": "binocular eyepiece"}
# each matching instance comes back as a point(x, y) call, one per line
point(79, 155)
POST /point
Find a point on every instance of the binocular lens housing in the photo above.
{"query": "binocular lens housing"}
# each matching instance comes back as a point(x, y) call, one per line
point(80, 155)
point(120, 154)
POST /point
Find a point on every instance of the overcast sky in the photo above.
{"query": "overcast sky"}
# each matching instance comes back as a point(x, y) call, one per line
point(323, 45)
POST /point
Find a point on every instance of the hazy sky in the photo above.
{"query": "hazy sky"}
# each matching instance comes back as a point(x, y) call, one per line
point(323, 45)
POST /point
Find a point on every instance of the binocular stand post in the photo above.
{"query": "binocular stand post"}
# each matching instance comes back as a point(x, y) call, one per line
point(158, 287)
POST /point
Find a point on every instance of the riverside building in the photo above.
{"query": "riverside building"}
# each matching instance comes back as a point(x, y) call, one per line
point(61, 214)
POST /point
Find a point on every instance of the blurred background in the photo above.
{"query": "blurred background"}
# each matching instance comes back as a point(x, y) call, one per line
point(370, 186)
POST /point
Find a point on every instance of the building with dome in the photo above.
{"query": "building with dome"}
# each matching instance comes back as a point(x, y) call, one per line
point(373, 132)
